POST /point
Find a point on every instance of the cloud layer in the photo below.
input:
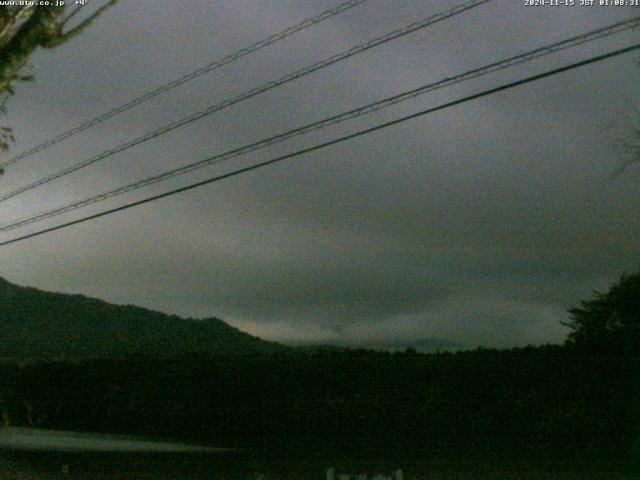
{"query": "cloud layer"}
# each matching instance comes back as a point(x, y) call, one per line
point(480, 224)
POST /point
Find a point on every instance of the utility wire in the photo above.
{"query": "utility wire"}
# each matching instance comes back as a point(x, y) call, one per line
point(351, 114)
point(252, 93)
point(232, 57)
point(72, 14)
point(329, 143)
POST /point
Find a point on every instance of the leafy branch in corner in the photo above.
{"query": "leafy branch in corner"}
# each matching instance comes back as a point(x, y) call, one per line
point(24, 29)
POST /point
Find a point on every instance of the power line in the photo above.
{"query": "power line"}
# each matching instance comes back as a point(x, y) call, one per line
point(253, 93)
point(232, 57)
point(330, 142)
point(342, 117)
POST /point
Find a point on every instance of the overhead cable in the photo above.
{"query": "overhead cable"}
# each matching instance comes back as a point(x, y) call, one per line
point(333, 120)
point(335, 141)
point(232, 57)
point(252, 93)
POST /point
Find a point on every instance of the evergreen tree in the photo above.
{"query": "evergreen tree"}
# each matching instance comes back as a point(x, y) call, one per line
point(609, 322)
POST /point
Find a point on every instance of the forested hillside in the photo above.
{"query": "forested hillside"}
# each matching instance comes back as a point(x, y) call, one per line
point(37, 324)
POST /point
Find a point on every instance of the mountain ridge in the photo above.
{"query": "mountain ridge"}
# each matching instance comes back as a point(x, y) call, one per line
point(422, 345)
point(40, 324)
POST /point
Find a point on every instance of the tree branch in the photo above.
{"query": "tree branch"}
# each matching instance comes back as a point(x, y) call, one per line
point(65, 37)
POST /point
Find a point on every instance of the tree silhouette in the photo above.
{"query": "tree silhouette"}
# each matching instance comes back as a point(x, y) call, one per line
point(609, 322)
point(24, 29)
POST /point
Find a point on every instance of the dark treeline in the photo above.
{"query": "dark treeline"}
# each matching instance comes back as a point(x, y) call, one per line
point(550, 402)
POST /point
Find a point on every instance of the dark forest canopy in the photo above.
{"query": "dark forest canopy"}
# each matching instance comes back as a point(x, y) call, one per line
point(543, 403)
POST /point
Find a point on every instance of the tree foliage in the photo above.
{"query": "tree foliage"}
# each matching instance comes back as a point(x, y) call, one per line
point(24, 29)
point(496, 405)
point(609, 322)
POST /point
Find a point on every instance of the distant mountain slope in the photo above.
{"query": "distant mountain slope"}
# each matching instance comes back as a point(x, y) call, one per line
point(425, 345)
point(428, 345)
point(39, 324)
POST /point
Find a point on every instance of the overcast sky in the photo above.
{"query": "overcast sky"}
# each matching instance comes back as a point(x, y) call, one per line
point(480, 224)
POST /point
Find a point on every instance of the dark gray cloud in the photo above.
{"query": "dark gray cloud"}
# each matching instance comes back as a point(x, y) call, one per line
point(481, 224)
